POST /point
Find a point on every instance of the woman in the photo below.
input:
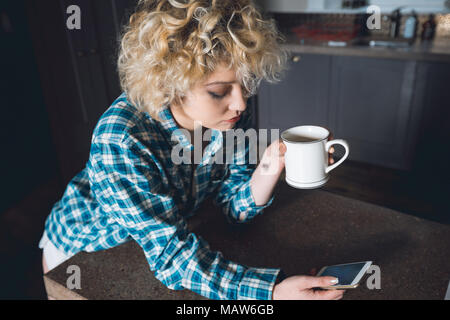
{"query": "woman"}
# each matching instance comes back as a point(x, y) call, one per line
point(181, 64)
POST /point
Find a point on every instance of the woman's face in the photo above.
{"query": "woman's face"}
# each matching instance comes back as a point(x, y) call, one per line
point(215, 103)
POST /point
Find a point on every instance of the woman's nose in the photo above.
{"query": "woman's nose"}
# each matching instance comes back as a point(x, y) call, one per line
point(239, 103)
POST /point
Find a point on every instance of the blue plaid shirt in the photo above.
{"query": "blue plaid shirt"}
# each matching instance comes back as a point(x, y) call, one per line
point(131, 189)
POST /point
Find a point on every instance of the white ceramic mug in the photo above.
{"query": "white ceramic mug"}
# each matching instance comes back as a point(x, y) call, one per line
point(306, 157)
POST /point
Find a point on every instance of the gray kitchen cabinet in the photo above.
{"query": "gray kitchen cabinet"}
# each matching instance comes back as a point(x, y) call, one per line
point(300, 98)
point(432, 100)
point(366, 101)
point(370, 106)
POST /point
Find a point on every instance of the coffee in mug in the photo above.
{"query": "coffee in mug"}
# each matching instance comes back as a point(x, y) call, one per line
point(306, 157)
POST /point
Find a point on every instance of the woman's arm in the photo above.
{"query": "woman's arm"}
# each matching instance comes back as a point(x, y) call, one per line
point(129, 187)
point(247, 189)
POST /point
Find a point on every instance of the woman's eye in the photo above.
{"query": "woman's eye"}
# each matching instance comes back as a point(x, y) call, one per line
point(215, 95)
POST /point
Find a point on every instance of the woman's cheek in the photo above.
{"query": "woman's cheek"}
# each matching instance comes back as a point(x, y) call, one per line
point(215, 116)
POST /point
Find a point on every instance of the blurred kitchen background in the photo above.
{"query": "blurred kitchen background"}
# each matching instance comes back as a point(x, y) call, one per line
point(386, 90)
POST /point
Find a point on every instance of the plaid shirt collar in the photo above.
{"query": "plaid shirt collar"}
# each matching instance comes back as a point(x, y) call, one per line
point(173, 130)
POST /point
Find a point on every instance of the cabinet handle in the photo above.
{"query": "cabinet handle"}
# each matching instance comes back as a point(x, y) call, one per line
point(296, 59)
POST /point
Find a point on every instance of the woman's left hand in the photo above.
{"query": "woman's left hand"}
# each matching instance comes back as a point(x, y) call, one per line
point(267, 174)
point(272, 162)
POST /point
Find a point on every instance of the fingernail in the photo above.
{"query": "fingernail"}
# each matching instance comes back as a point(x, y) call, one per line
point(334, 281)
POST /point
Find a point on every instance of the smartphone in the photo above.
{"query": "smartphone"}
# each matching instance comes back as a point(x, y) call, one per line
point(348, 274)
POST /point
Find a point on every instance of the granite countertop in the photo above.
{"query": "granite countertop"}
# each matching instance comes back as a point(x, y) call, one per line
point(301, 230)
point(437, 51)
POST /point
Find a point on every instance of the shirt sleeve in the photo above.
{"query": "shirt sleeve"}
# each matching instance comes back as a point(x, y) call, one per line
point(129, 187)
point(235, 194)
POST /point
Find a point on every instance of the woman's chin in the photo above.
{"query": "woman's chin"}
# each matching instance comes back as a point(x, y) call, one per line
point(228, 125)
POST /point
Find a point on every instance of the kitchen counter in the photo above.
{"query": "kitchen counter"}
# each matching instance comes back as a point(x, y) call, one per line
point(438, 51)
point(301, 230)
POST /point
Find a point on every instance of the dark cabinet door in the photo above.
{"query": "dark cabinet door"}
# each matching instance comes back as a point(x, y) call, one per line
point(370, 107)
point(432, 98)
point(109, 17)
point(300, 98)
point(78, 70)
point(28, 157)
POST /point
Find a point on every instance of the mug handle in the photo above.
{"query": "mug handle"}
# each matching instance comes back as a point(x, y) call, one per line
point(342, 143)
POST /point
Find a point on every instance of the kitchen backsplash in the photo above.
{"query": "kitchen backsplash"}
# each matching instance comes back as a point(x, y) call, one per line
point(442, 28)
point(343, 25)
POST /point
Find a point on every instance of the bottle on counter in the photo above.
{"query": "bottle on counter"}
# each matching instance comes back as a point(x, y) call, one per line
point(410, 31)
point(395, 23)
point(429, 29)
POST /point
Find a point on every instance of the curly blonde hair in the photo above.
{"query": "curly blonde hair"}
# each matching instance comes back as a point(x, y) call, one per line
point(170, 45)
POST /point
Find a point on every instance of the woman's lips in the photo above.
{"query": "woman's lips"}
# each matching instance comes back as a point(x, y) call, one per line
point(235, 119)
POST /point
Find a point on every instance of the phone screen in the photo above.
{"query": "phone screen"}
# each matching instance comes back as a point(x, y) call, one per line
point(346, 273)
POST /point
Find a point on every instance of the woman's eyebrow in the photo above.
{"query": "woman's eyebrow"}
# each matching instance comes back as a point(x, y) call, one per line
point(220, 82)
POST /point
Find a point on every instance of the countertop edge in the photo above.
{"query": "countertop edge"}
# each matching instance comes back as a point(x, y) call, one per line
point(369, 52)
point(59, 292)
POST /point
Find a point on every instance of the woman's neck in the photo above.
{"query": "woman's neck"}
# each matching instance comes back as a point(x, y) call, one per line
point(182, 120)
point(188, 124)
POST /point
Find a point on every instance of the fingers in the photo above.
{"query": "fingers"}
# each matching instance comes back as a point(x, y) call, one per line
point(330, 156)
point(328, 294)
point(318, 282)
point(278, 147)
point(282, 148)
point(330, 137)
point(341, 296)
point(305, 288)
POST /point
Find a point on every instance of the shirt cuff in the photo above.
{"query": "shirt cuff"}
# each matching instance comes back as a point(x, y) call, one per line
point(257, 284)
point(247, 203)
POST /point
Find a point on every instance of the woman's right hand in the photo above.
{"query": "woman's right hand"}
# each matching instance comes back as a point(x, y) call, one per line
point(301, 288)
